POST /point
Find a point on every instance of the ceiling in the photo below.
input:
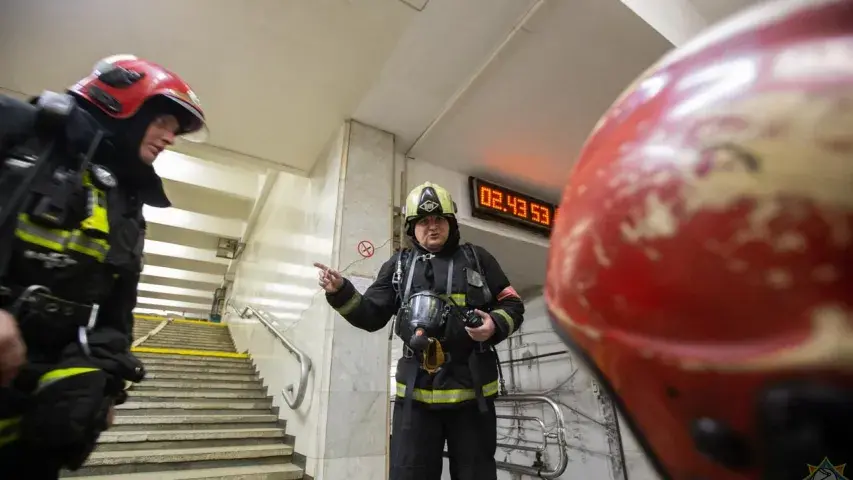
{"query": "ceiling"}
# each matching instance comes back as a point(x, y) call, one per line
point(276, 78)
point(524, 118)
point(503, 89)
point(533, 83)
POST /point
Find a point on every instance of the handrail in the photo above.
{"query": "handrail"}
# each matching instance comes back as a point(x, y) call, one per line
point(152, 332)
point(293, 401)
point(559, 435)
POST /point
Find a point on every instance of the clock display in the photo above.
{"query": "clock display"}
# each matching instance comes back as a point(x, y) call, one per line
point(492, 201)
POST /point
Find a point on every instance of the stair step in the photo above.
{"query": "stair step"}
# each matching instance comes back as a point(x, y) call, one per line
point(178, 393)
point(144, 356)
point(174, 435)
point(192, 384)
point(175, 338)
point(193, 417)
point(188, 365)
point(189, 346)
point(181, 323)
point(179, 439)
point(157, 364)
point(188, 454)
point(137, 406)
point(184, 411)
point(206, 369)
point(163, 422)
point(248, 377)
point(172, 333)
point(195, 330)
point(197, 362)
point(185, 344)
point(132, 461)
point(193, 336)
point(286, 471)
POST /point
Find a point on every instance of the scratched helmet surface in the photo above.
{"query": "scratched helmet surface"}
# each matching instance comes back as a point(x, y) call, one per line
point(702, 261)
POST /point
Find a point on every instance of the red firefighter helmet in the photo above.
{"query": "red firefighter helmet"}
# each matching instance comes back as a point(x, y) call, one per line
point(702, 260)
point(119, 85)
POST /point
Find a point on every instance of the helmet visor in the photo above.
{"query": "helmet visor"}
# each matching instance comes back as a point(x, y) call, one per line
point(193, 126)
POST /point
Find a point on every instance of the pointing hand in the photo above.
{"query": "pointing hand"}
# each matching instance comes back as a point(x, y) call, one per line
point(329, 280)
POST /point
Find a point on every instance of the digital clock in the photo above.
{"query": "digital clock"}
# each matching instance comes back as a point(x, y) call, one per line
point(492, 201)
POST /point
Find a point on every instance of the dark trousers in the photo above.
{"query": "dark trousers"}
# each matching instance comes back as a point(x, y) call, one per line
point(471, 436)
point(17, 462)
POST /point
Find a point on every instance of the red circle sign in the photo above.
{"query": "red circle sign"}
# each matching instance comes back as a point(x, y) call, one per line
point(365, 248)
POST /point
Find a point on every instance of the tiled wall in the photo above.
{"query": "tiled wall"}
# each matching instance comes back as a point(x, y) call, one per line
point(296, 228)
point(555, 376)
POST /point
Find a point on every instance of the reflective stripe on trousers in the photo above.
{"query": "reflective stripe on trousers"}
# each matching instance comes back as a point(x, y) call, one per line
point(445, 397)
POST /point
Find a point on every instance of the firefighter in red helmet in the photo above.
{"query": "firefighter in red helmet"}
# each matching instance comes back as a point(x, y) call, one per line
point(702, 261)
point(76, 171)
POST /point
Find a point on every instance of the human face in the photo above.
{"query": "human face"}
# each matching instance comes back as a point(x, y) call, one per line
point(160, 134)
point(432, 232)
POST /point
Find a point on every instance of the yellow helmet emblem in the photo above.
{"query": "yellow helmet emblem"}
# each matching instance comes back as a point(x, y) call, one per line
point(429, 199)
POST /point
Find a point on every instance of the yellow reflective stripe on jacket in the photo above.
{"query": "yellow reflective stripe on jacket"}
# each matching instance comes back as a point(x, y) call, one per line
point(458, 298)
point(9, 430)
point(97, 224)
point(82, 243)
point(510, 322)
point(447, 396)
point(351, 305)
point(60, 240)
point(63, 373)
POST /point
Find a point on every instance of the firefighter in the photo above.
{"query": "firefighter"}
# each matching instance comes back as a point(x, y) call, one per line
point(702, 260)
point(72, 255)
point(453, 304)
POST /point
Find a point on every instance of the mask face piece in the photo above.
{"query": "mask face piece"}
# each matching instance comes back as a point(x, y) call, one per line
point(423, 317)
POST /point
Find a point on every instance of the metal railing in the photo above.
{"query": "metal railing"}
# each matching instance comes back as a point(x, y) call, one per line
point(293, 400)
point(558, 434)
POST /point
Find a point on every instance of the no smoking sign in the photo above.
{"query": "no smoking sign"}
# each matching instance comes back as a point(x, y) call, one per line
point(366, 248)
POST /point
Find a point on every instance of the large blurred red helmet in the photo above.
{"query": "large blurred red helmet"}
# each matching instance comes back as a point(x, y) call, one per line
point(121, 84)
point(702, 260)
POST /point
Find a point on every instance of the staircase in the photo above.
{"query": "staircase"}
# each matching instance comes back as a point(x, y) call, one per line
point(201, 412)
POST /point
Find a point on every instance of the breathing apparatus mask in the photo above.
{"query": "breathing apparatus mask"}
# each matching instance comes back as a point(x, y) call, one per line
point(423, 324)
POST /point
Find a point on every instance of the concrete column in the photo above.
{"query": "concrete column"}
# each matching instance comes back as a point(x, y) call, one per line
point(355, 387)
